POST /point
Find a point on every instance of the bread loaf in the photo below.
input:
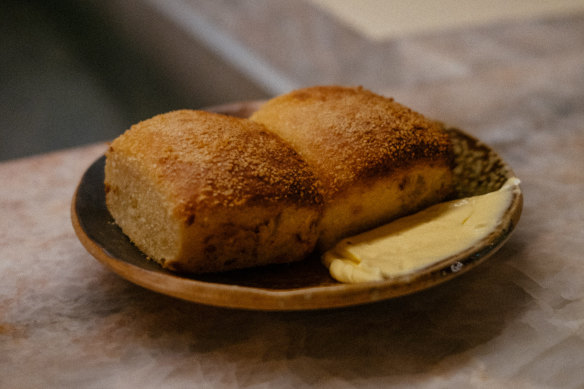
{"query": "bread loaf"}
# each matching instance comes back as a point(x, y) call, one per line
point(202, 192)
point(375, 159)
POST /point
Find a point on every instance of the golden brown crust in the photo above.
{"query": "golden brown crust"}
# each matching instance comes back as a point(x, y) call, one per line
point(210, 161)
point(199, 191)
point(347, 134)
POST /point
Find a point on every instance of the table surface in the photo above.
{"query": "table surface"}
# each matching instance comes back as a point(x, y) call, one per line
point(515, 321)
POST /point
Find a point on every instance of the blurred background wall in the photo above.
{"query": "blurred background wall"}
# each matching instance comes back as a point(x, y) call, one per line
point(76, 72)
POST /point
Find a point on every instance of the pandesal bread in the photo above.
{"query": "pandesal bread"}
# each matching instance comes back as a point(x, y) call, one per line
point(203, 192)
point(375, 159)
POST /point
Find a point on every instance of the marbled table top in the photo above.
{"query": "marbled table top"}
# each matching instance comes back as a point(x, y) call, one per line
point(515, 321)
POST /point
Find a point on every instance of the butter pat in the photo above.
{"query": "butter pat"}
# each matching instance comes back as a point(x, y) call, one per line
point(419, 240)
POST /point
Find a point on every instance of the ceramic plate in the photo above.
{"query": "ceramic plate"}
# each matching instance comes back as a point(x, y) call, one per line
point(297, 286)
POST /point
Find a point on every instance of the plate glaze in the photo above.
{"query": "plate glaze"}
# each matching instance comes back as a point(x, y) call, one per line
point(297, 286)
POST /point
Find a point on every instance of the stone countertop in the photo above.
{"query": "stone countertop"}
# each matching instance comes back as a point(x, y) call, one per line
point(515, 321)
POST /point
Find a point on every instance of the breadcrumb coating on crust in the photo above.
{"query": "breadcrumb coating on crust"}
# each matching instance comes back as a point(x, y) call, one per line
point(347, 134)
point(206, 160)
point(199, 191)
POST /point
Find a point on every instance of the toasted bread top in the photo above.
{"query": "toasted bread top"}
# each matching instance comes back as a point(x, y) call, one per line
point(347, 134)
point(204, 160)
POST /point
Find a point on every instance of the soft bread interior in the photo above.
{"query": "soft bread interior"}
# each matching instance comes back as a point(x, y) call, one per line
point(374, 202)
point(238, 239)
point(140, 209)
